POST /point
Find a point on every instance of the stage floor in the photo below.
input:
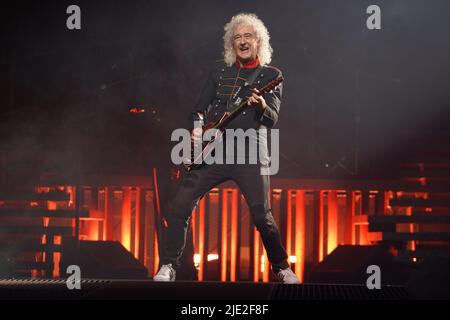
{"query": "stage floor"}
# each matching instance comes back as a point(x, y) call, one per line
point(99, 289)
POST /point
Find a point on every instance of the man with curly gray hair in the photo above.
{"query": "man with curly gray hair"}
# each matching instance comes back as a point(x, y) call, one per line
point(251, 23)
point(247, 53)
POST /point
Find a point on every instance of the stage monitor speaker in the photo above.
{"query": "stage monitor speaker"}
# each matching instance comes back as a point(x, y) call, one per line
point(102, 260)
point(348, 264)
point(431, 280)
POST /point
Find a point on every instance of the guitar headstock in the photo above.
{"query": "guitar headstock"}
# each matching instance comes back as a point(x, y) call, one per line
point(271, 85)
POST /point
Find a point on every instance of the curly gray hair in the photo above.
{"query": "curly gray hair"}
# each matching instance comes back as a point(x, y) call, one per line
point(262, 34)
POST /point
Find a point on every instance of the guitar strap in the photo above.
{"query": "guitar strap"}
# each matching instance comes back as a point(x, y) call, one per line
point(253, 76)
point(236, 99)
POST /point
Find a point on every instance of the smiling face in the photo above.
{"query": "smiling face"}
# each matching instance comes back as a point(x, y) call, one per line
point(245, 44)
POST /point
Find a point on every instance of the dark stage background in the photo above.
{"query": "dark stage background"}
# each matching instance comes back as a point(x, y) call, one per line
point(357, 103)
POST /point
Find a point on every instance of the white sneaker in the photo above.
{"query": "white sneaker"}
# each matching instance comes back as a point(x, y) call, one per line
point(286, 276)
point(165, 273)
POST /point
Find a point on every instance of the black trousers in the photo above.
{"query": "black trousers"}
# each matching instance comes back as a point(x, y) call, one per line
point(254, 187)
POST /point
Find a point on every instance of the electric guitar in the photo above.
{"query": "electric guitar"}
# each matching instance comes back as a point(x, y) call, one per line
point(207, 147)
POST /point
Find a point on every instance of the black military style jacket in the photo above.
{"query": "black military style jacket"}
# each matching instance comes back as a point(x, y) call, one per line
point(223, 83)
